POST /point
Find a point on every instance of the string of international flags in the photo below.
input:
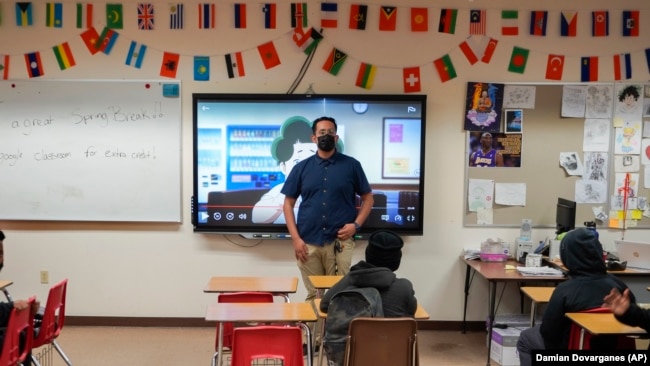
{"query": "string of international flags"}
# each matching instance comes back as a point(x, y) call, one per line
point(306, 38)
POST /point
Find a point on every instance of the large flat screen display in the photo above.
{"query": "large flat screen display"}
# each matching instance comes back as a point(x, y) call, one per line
point(246, 144)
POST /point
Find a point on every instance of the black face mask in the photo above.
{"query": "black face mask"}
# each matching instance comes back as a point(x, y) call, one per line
point(326, 143)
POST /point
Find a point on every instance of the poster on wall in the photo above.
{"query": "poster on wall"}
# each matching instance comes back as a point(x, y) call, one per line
point(483, 105)
point(490, 150)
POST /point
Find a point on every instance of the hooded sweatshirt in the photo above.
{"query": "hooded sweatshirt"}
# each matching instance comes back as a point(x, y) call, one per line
point(397, 295)
point(587, 285)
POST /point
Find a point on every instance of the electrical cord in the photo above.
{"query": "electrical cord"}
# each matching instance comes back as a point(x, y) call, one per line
point(246, 244)
point(303, 70)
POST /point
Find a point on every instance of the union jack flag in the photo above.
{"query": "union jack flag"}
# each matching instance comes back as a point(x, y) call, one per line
point(145, 16)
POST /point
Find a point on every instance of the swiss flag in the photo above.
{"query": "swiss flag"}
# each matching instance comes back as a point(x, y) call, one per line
point(411, 78)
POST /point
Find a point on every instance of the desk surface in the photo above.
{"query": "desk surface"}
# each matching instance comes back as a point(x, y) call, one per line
point(252, 284)
point(324, 282)
point(537, 293)
point(5, 283)
point(420, 313)
point(603, 323)
point(261, 312)
point(627, 272)
point(495, 271)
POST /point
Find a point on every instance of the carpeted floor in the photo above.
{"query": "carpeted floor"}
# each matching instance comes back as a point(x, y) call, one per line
point(148, 346)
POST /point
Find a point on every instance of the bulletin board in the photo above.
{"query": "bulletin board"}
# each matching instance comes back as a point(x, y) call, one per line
point(90, 150)
point(546, 134)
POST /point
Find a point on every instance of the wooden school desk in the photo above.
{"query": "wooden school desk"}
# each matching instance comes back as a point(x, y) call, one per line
point(537, 295)
point(636, 279)
point(279, 286)
point(420, 314)
point(299, 313)
point(322, 283)
point(601, 324)
point(495, 272)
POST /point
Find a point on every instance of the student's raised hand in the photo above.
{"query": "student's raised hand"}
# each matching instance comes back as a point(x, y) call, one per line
point(618, 303)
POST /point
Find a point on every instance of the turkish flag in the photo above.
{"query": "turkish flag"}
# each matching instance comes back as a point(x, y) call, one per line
point(554, 67)
point(489, 50)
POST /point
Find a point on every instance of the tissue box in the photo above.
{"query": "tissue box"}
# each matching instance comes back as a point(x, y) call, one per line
point(494, 251)
point(504, 346)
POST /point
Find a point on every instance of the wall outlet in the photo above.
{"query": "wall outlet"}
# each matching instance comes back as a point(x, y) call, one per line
point(45, 277)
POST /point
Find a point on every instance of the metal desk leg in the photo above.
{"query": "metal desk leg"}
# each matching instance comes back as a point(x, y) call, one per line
point(220, 345)
point(468, 283)
point(322, 334)
point(7, 294)
point(533, 308)
point(310, 355)
point(582, 338)
point(493, 296)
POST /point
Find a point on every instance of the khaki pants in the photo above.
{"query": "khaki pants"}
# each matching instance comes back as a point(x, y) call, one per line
point(324, 261)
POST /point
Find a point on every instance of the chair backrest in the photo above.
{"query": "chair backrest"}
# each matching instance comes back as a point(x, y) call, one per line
point(382, 341)
point(20, 325)
point(622, 341)
point(237, 297)
point(345, 306)
point(53, 315)
point(266, 342)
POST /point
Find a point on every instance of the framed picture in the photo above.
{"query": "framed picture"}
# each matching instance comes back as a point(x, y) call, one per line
point(513, 121)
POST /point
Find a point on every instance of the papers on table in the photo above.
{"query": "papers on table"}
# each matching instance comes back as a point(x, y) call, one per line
point(539, 271)
point(472, 254)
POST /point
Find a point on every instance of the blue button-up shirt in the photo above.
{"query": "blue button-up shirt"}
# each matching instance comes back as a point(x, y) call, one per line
point(328, 188)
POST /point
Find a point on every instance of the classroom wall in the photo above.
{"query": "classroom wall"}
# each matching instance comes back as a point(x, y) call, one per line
point(159, 270)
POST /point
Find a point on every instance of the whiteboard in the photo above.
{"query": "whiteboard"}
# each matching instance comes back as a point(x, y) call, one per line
point(90, 150)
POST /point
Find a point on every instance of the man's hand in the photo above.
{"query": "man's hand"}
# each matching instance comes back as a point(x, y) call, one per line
point(346, 232)
point(301, 250)
point(616, 302)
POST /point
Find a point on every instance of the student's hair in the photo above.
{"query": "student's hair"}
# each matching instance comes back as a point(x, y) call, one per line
point(320, 119)
point(2, 236)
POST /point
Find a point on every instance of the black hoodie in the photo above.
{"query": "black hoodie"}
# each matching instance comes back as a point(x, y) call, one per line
point(397, 295)
point(588, 283)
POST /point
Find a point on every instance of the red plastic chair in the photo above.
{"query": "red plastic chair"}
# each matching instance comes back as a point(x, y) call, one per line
point(53, 319)
point(20, 325)
point(622, 342)
point(266, 342)
point(231, 297)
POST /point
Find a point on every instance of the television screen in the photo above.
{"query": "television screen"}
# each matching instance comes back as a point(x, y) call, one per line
point(565, 215)
point(246, 144)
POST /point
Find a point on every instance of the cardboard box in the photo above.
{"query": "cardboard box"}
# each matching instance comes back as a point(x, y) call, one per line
point(521, 321)
point(504, 346)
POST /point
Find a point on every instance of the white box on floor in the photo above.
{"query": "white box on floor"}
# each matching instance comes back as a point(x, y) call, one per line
point(504, 346)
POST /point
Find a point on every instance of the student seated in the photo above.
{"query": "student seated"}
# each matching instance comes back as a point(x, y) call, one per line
point(370, 289)
point(383, 257)
point(6, 307)
point(588, 283)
